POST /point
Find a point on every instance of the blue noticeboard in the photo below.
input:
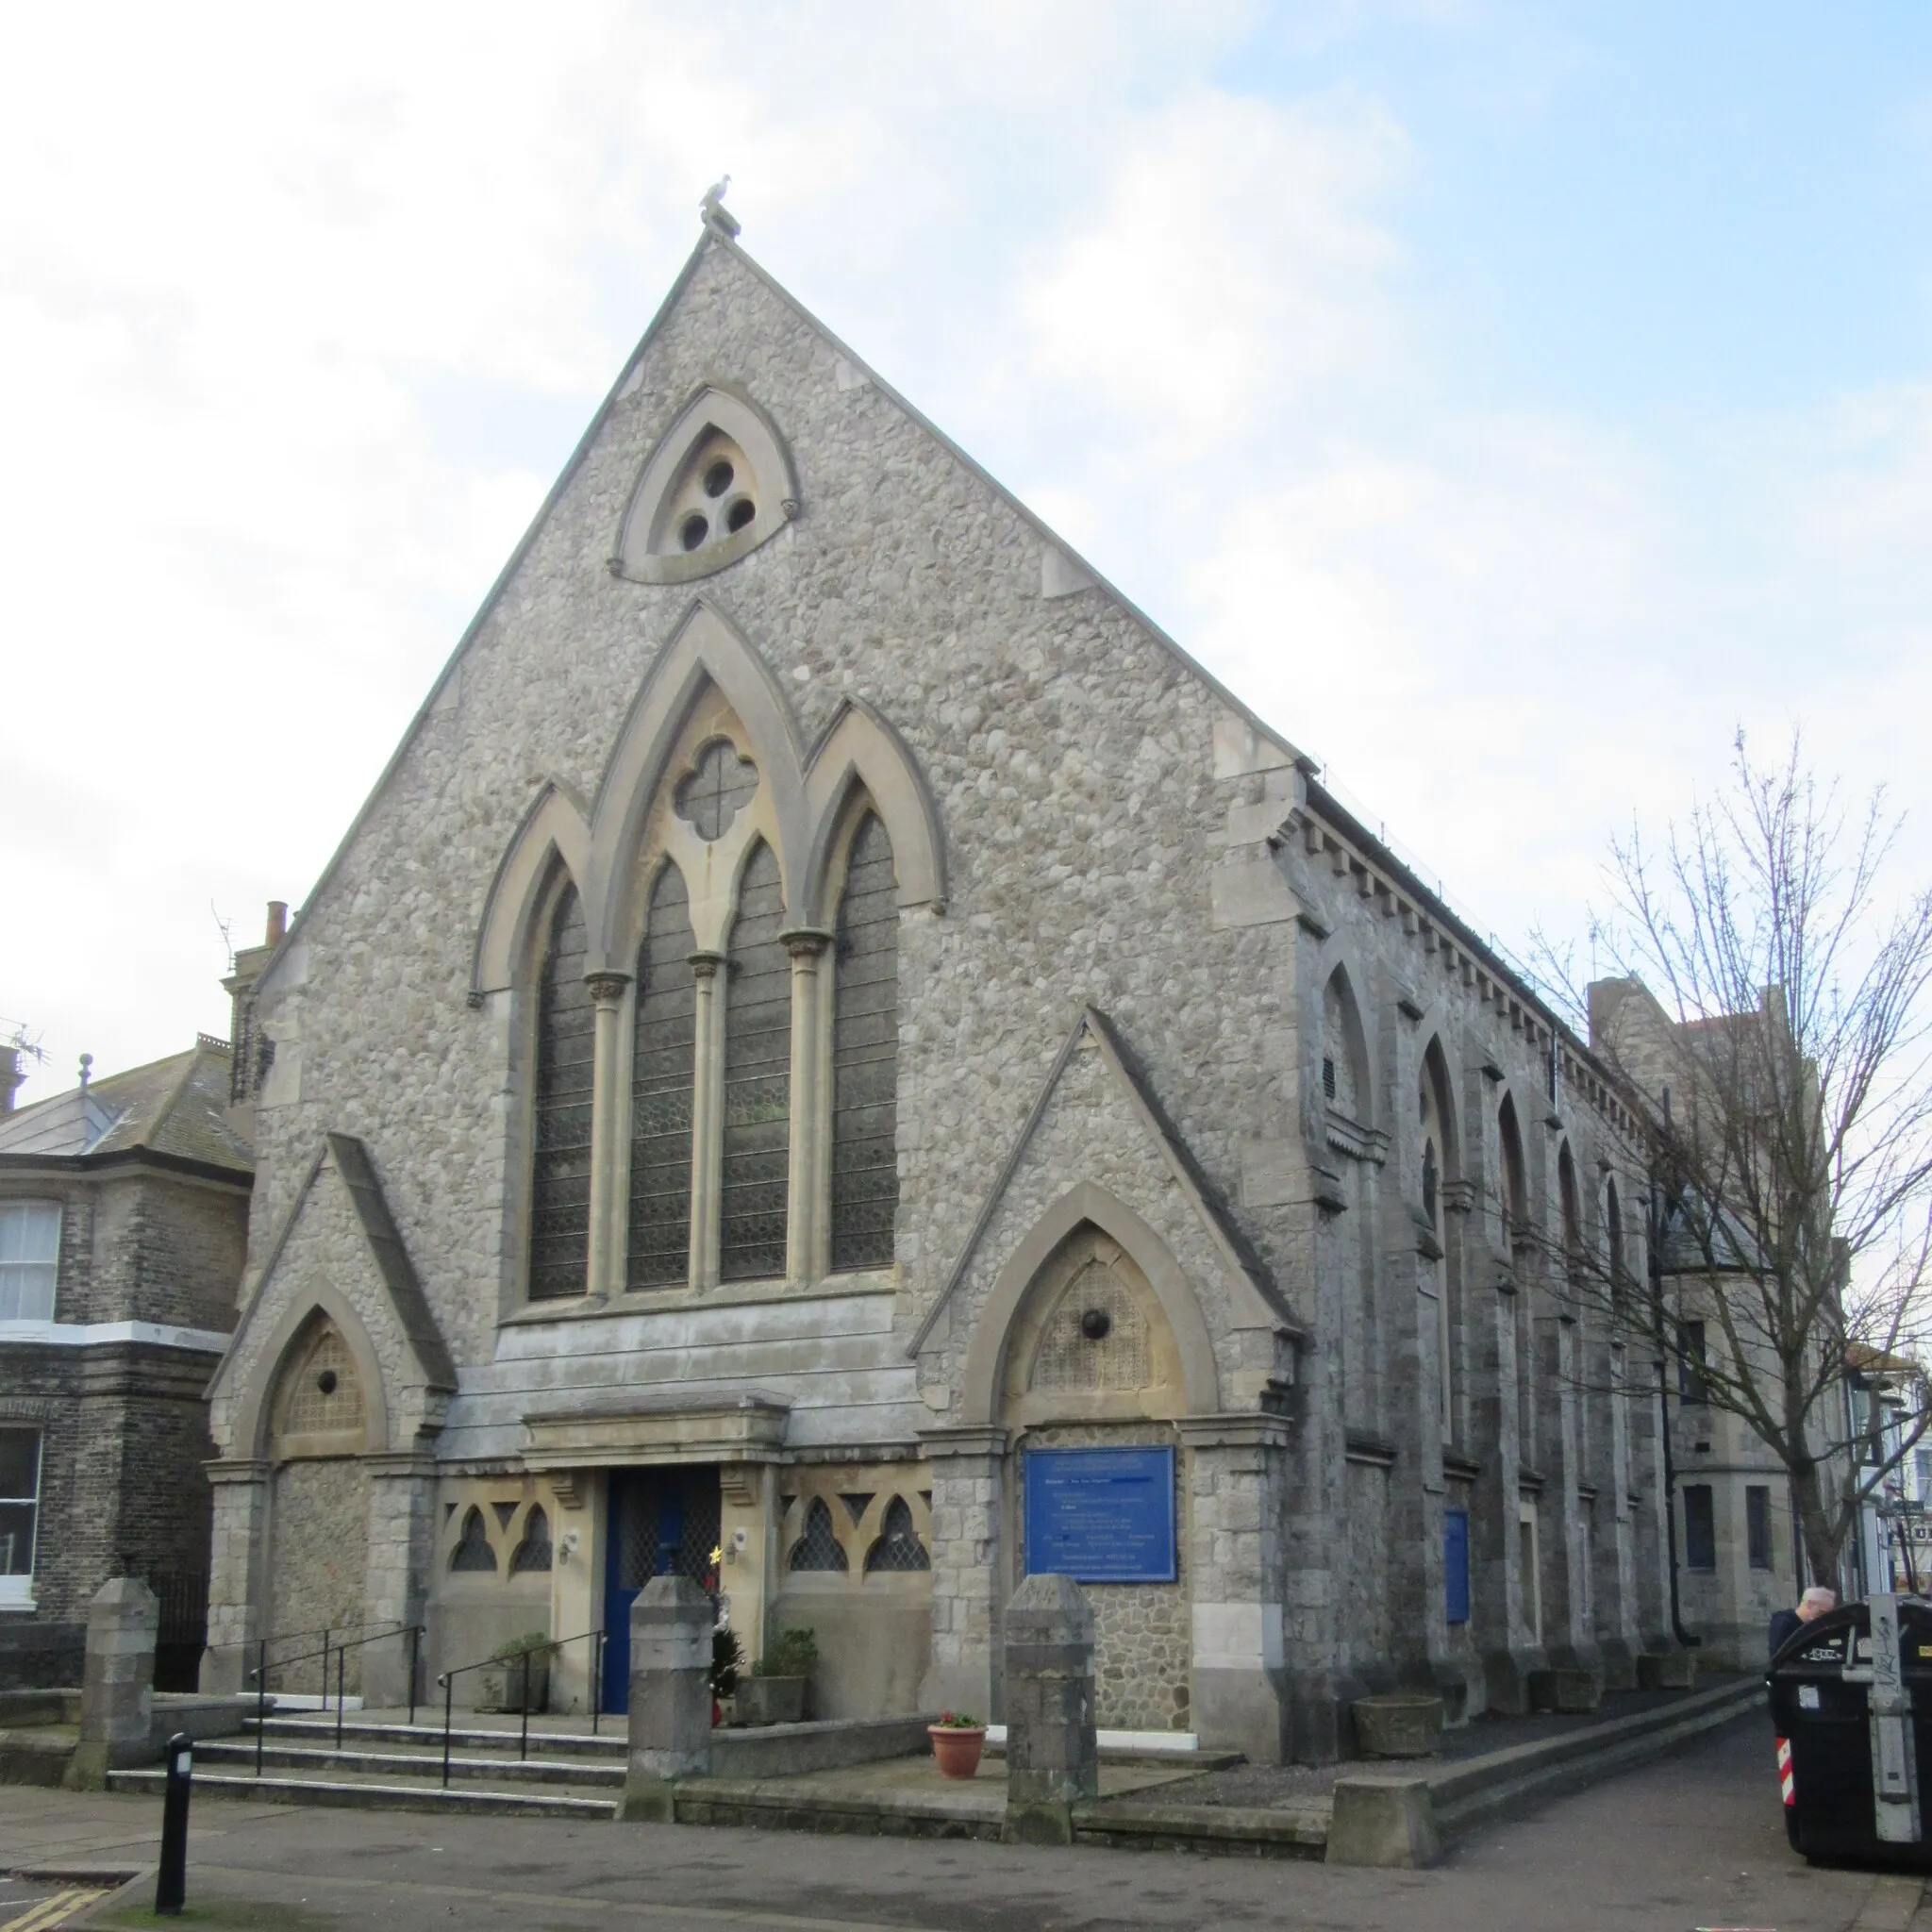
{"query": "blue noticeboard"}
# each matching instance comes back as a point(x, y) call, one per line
point(1101, 1515)
point(1456, 1565)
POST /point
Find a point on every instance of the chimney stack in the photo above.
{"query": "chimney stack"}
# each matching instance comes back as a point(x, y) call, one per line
point(12, 1075)
point(249, 1051)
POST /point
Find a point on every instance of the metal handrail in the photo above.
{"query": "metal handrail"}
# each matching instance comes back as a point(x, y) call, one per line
point(594, 1637)
point(260, 1672)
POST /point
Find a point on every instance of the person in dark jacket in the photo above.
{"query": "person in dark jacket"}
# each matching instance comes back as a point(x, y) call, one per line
point(1785, 1624)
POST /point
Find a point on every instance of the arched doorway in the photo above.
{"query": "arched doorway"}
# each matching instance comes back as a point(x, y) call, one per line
point(1091, 1390)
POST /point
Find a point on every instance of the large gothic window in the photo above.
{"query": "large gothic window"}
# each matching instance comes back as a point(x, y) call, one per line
point(561, 1166)
point(865, 1056)
point(661, 1074)
point(757, 1078)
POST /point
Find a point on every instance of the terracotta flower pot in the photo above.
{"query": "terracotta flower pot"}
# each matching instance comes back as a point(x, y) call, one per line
point(955, 1748)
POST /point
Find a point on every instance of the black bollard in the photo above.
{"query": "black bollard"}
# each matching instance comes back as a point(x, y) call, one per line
point(171, 1885)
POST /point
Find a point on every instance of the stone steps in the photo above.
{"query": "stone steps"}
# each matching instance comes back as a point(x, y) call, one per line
point(374, 1793)
point(321, 1731)
point(425, 1762)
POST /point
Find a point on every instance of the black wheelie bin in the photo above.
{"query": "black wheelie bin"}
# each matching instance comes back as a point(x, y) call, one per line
point(1851, 1702)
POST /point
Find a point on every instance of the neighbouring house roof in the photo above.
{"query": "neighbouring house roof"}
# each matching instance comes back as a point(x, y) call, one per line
point(177, 1107)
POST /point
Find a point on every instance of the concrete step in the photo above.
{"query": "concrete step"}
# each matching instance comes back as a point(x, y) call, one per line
point(376, 1793)
point(229, 1755)
point(609, 1745)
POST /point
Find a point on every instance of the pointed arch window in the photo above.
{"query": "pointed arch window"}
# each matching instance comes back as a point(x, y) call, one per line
point(662, 1071)
point(818, 1547)
point(473, 1554)
point(865, 1056)
point(758, 1079)
point(560, 1159)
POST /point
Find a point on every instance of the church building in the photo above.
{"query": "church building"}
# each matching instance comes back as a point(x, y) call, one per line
point(837, 1060)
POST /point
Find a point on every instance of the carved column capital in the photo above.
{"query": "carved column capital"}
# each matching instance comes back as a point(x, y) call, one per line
point(805, 942)
point(607, 989)
point(705, 966)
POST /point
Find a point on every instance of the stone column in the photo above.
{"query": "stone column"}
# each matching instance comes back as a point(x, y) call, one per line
point(706, 1115)
point(1053, 1760)
point(1494, 1532)
point(610, 1133)
point(238, 1575)
point(968, 1567)
point(402, 1503)
point(806, 1253)
point(671, 1624)
point(1235, 1482)
point(117, 1686)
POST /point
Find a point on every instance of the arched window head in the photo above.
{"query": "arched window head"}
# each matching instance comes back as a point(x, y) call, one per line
point(319, 1402)
point(533, 1554)
point(1343, 1057)
point(719, 483)
point(1515, 1189)
point(818, 1547)
point(899, 1547)
point(473, 1554)
point(1568, 1206)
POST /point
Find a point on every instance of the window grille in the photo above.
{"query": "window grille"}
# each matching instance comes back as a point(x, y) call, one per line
point(1338, 1049)
point(662, 1073)
point(30, 1259)
point(1073, 1356)
point(20, 1499)
point(473, 1551)
point(560, 1169)
point(666, 1526)
point(324, 1394)
point(533, 1553)
point(818, 1547)
point(865, 1056)
point(1758, 1525)
point(899, 1547)
point(720, 786)
point(758, 1079)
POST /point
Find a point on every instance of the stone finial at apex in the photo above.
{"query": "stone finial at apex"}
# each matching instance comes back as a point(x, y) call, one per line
point(717, 217)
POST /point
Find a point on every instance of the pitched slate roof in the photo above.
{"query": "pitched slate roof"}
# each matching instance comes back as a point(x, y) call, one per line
point(178, 1106)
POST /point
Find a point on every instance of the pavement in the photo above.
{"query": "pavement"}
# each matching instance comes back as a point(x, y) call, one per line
point(1692, 1839)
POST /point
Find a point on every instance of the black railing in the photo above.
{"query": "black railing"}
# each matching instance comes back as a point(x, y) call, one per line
point(507, 1665)
point(339, 1651)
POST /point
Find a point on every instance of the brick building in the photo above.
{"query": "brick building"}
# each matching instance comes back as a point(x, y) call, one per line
point(124, 1221)
point(831, 1027)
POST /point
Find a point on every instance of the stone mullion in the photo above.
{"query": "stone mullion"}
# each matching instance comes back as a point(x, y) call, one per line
point(706, 1116)
point(395, 1584)
point(610, 1133)
point(806, 1207)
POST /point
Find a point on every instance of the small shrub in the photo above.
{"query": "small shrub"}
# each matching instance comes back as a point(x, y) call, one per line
point(727, 1660)
point(792, 1654)
point(534, 1645)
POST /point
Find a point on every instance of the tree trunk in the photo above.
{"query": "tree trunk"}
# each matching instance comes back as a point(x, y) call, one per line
point(1823, 1544)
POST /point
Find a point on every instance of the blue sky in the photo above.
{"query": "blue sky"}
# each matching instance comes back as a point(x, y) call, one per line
point(1508, 401)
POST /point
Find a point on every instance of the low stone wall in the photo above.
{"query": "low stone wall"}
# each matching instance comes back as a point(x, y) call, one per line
point(796, 1749)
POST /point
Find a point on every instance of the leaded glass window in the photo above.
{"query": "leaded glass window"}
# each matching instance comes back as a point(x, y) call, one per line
point(660, 1093)
point(757, 1078)
point(533, 1554)
point(818, 1547)
point(561, 1166)
point(323, 1396)
point(472, 1551)
point(898, 1547)
point(1096, 1339)
point(865, 1056)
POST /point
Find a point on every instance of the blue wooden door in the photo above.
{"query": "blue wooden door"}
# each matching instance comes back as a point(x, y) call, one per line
point(662, 1523)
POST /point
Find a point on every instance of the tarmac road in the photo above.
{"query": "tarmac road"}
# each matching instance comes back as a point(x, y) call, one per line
point(1693, 1839)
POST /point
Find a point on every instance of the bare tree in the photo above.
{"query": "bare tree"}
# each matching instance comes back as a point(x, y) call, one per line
point(1770, 1023)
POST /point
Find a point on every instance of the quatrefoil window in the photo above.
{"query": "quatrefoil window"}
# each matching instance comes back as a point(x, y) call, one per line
point(720, 786)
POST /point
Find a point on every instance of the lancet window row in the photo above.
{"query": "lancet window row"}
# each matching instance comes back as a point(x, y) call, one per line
point(730, 1170)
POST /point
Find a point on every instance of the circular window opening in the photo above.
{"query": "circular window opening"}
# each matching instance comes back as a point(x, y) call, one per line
point(1097, 1325)
point(696, 530)
point(741, 513)
point(718, 478)
point(326, 1382)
